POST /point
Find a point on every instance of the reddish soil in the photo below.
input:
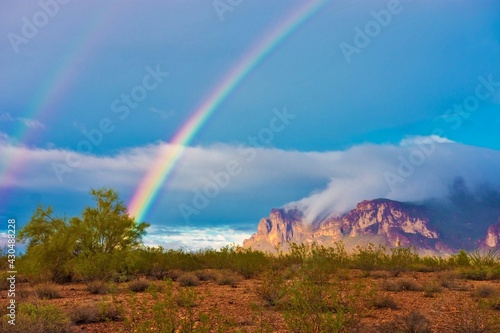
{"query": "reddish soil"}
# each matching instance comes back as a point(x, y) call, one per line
point(443, 309)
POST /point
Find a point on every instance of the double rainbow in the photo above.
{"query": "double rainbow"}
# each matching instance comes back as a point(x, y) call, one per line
point(169, 155)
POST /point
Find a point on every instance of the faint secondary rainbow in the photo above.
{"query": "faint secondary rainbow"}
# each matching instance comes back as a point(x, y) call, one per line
point(169, 155)
point(54, 88)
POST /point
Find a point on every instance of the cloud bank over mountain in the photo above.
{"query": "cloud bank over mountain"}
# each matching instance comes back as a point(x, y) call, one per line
point(321, 184)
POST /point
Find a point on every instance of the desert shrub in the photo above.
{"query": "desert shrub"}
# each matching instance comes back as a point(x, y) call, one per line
point(173, 274)
point(138, 286)
point(430, 289)
point(384, 302)
point(369, 258)
point(460, 259)
point(390, 286)
point(495, 304)
point(479, 259)
point(326, 260)
point(400, 260)
point(494, 273)
point(228, 278)
point(37, 318)
point(47, 290)
point(98, 266)
point(94, 313)
point(312, 307)
point(186, 298)
point(121, 277)
point(472, 319)
point(170, 313)
point(431, 264)
point(272, 289)
point(474, 273)
point(97, 287)
point(248, 262)
point(206, 274)
point(448, 279)
point(26, 295)
point(188, 279)
point(415, 322)
point(484, 291)
point(408, 285)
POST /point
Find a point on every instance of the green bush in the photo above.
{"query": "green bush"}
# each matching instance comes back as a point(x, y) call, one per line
point(384, 302)
point(369, 258)
point(47, 291)
point(95, 313)
point(138, 286)
point(188, 279)
point(484, 291)
point(228, 278)
point(415, 322)
point(474, 273)
point(98, 287)
point(206, 274)
point(400, 260)
point(37, 318)
point(430, 289)
point(272, 289)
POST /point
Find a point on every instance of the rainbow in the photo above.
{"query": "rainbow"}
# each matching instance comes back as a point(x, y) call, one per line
point(169, 155)
point(56, 85)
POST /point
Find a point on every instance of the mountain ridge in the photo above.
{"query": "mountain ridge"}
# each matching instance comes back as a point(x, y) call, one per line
point(379, 221)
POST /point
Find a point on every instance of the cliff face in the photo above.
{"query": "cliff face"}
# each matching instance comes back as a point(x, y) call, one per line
point(379, 221)
point(492, 239)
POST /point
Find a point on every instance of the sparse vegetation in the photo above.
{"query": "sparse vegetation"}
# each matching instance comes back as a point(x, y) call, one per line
point(138, 286)
point(228, 278)
point(415, 322)
point(484, 291)
point(384, 302)
point(94, 313)
point(188, 280)
point(37, 318)
point(47, 291)
point(98, 287)
point(310, 288)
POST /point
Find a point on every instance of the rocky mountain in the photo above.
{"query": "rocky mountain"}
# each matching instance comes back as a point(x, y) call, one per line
point(492, 239)
point(379, 221)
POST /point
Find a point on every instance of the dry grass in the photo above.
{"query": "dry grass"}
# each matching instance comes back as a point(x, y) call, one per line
point(47, 290)
point(138, 286)
point(188, 279)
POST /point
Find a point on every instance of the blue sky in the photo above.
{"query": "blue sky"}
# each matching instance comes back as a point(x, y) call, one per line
point(358, 112)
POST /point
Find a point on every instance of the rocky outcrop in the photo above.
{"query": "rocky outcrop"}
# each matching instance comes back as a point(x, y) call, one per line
point(492, 239)
point(379, 221)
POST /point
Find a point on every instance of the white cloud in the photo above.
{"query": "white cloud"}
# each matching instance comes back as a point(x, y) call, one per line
point(424, 170)
point(418, 140)
point(33, 123)
point(6, 117)
point(193, 238)
point(423, 166)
